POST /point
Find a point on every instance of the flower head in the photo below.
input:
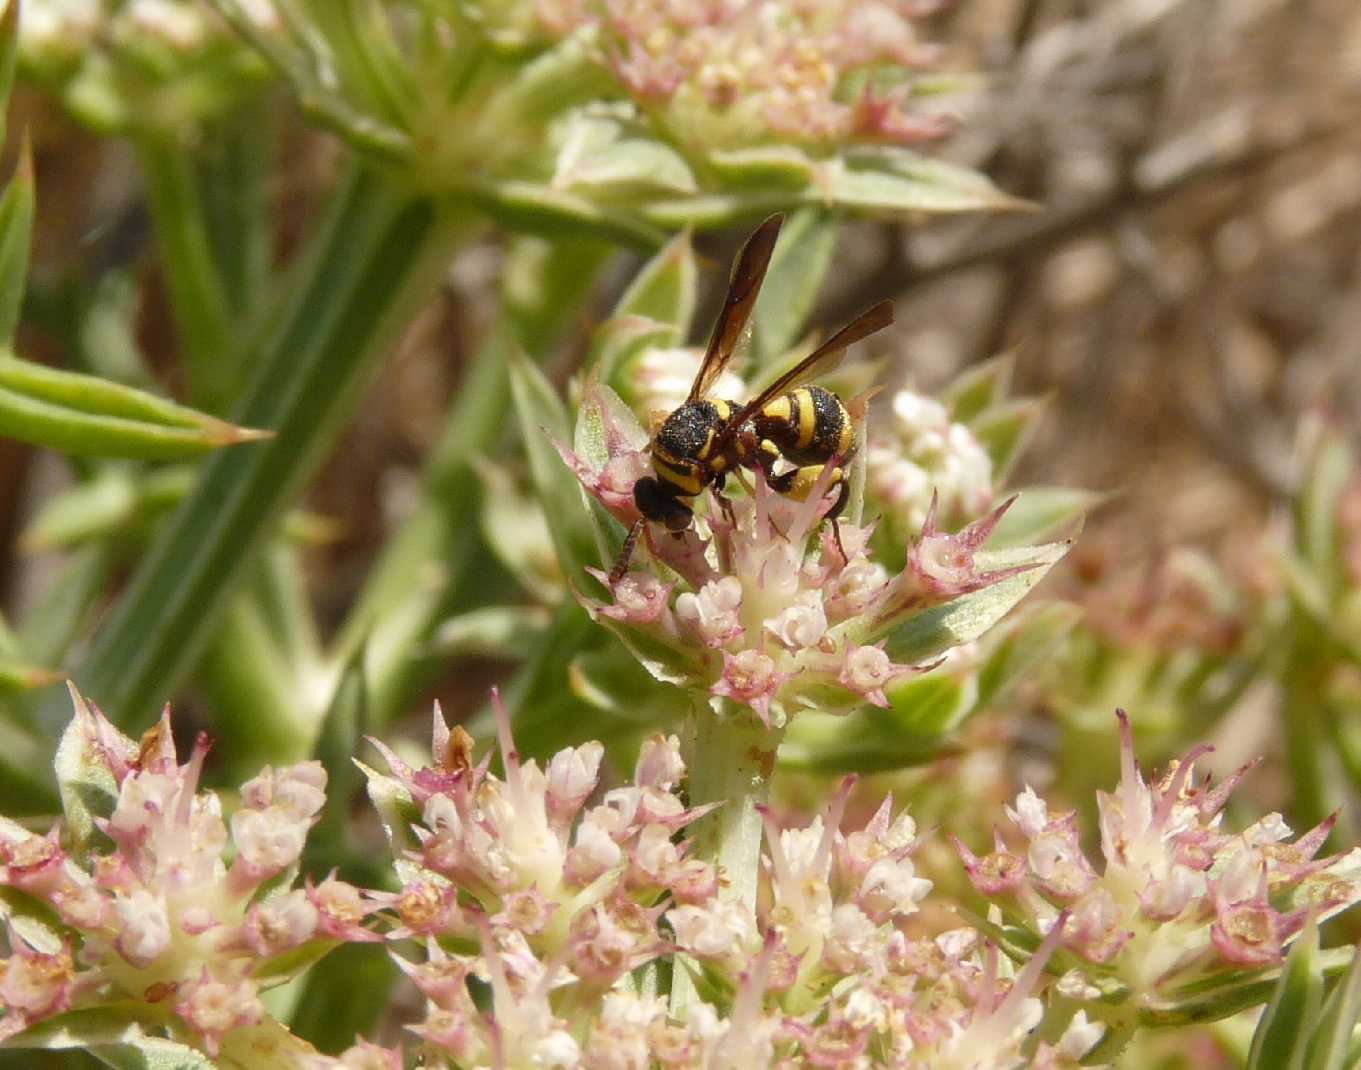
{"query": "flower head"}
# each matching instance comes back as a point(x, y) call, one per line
point(764, 600)
point(1177, 895)
point(153, 913)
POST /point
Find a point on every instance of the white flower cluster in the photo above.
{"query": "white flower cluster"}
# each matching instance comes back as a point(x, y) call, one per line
point(924, 453)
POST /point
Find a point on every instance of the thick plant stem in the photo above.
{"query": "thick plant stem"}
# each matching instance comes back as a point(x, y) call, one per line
point(732, 757)
point(379, 255)
point(731, 760)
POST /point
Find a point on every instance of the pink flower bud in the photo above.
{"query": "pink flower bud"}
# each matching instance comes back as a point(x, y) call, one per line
point(34, 984)
point(278, 924)
point(572, 775)
point(215, 1008)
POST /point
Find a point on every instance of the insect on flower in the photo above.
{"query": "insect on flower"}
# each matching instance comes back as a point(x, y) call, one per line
point(789, 431)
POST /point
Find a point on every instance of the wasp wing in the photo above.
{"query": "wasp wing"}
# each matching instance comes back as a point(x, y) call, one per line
point(748, 274)
point(823, 359)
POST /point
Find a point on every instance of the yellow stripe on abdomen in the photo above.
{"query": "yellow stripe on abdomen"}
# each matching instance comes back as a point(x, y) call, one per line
point(808, 417)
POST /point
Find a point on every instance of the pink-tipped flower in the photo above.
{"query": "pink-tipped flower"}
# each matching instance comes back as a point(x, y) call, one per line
point(765, 614)
point(1176, 896)
point(153, 909)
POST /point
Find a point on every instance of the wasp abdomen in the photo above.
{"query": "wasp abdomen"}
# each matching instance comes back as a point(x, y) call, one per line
point(808, 425)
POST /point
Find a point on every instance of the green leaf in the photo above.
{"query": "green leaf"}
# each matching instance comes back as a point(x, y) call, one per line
point(9, 56)
point(84, 778)
point(86, 415)
point(516, 530)
point(342, 730)
point(1329, 468)
point(1331, 1045)
point(397, 813)
point(16, 676)
point(930, 632)
point(978, 388)
point(491, 632)
point(543, 421)
point(1005, 429)
point(117, 1030)
point(618, 343)
point(793, 282)
point(16, 221)
point(1041, 513)
point(1288, 1020)
point(1028, 639)
point(664, 290)
point(602, 155)
point(379, 255)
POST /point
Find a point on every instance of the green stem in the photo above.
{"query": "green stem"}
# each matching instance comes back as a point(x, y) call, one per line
point(410, 586)
point(731, 760)
point(378, 256)
point(198, 294)
point(417, 579)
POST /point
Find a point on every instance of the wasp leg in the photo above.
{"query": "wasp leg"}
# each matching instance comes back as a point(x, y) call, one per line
point(621, 563)
point(834, 515)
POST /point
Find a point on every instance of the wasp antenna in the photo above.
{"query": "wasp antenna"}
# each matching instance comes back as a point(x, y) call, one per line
point(621, 563)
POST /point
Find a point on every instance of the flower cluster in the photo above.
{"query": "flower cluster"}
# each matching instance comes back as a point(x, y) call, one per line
point(1178, 896)
point(733, 73)
point(167, 915)
point(742, 605)
point(105, 57)
point(925, 454)
point(556, 902)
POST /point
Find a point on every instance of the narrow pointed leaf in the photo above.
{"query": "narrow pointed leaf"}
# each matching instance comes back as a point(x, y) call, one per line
point(1286, 1024)
point(90, 416)
point(978, 389)
point(1030, 636)
point(1331, 1044)
point(9, 56)
point(15, 676)
point(792, 284)
point(16, 231)
point(664, 290)
point(543, 420)
point(1043, 513)
point(932, 631)
point(1004, 431)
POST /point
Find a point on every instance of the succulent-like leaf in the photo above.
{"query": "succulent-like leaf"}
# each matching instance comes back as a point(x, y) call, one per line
point(664, 290)
point(491, 632)
point(1041, 513)
point(601, 155)
point(16, 676)
point(1004, 430)
point(1328, 470)
point(1027, 639)
point(978, 388)
point(793, 282)
point(927, 633)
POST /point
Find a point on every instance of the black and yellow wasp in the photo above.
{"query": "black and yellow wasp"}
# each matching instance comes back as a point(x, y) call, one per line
point(807, 427)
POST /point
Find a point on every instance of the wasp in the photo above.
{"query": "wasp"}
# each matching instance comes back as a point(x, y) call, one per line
point(804, 426)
